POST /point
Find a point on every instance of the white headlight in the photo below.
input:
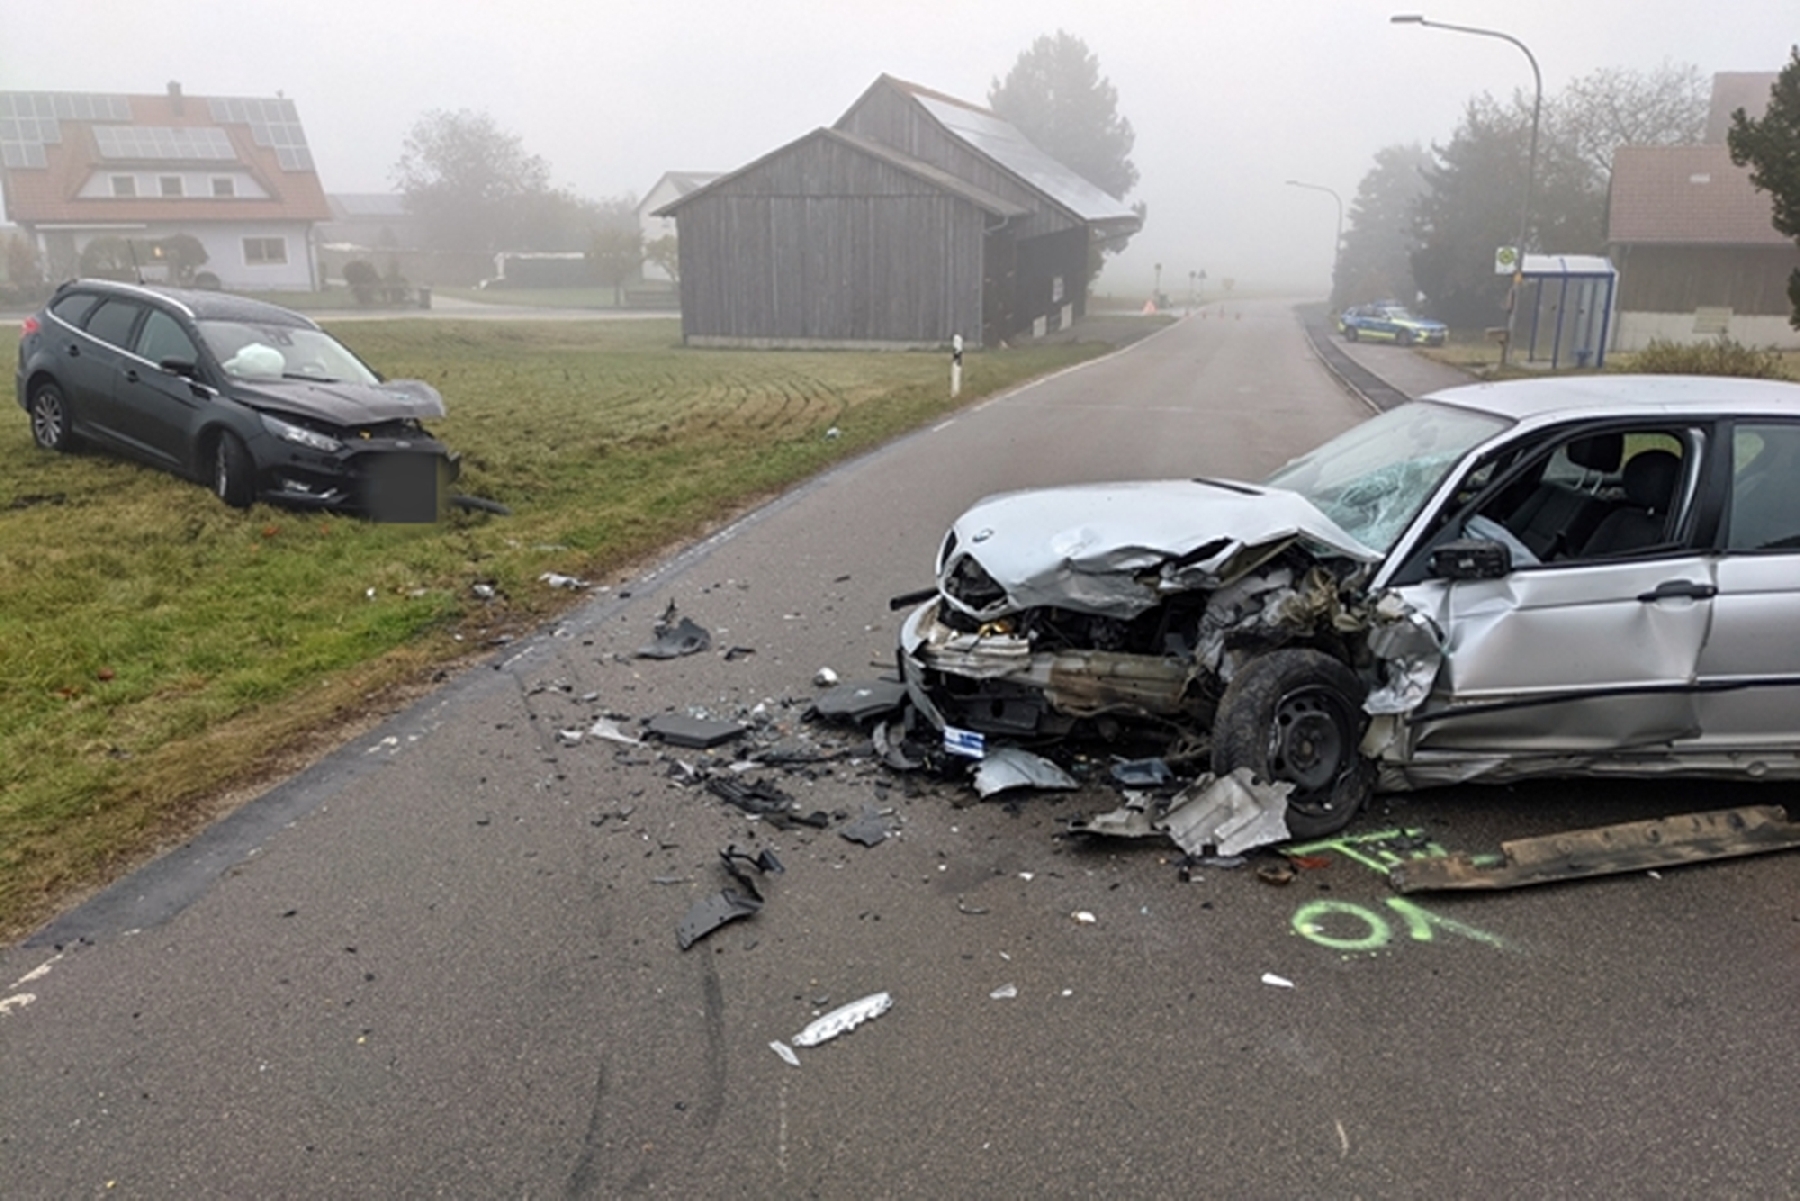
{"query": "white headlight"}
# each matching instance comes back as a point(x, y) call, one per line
point(289, 432)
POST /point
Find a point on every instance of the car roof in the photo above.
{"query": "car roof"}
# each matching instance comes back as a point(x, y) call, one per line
point(198, 303)
point(1535, 401)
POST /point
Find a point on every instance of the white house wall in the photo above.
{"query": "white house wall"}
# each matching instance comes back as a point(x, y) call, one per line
point(1635, 330)
point(224, 244)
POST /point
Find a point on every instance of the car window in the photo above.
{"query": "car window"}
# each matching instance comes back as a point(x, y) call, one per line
point(162, 338)
point(1765, 488)
point(112, 321)
point(73, 307)
point(261, 352)
point(1594, 496)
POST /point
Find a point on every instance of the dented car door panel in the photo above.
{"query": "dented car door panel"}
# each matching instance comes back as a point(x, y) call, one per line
point(1575, 658)
point(1750, 668)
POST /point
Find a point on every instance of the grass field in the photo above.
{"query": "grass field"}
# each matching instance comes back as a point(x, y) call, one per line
point(158, 650)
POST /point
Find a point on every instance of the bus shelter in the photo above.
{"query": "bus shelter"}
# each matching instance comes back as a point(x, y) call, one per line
point(1571, 301)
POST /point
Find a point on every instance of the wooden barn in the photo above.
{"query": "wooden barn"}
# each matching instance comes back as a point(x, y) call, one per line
point(915, 218)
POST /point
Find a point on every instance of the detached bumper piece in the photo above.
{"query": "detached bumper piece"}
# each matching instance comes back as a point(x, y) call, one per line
point(1606, 851)
point(389, 486)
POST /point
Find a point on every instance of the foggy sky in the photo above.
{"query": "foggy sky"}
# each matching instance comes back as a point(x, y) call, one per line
point(1228, 99)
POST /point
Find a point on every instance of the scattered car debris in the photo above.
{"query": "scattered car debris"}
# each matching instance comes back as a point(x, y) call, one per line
point(608, 729)
point(698, 733)
point(711, 912)
point(871, 829)
point(861, 701)
point(786, 1052)
point(1142, 773)
point(1274, 981)
point(825, 677)
point(1606, 851)
point(1083, 918)
point(1005, 992)
point(843, 1019)
point(1011, 767)
point(676, 636)
point(727, 905)
point(572, 583)
point(1278, 874)
point(1228, 814)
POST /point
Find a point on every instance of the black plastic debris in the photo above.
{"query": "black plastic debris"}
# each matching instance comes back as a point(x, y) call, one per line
point(860, 701)
point(752, 796)
point(871, 829)
point(676, 636)
point(678, 729)
point(711, 912)
point(729, 904)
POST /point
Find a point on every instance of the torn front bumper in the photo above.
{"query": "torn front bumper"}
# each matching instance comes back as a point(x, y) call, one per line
point(994, 683)
point(386, 479)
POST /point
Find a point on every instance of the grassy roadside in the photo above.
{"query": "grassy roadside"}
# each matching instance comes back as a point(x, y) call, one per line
point(158, 650)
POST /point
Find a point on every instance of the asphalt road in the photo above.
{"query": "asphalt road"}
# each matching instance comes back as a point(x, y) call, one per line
point(443, 962)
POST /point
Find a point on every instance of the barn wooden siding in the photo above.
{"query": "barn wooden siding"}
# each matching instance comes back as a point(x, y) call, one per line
point(823, 243)
point(1749, 280)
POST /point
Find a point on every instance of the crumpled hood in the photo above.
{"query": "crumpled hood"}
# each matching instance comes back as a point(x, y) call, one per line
point(344, 403)
point(1118, 549)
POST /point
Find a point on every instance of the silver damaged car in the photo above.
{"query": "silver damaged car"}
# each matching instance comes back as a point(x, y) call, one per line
point(1580, 576)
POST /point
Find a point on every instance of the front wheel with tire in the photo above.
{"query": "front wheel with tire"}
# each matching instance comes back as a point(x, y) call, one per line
point(1350, 334)
point(234, 475)
point(50, 418)
point(1295, 717)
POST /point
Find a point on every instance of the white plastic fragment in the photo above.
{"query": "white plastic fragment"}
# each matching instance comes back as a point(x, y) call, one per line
point(569, 737)
point(825, 677)
point(786, 1052)
point(573, 583)
point(608, 729)
point(1005, 992)
point(1274, 981)
point(843, 1019)
point(1084, 917)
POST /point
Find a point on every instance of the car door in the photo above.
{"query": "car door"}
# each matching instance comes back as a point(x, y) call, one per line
point(1595, 650)
point(158, 409)
point(94, 361)
point(1750, 668)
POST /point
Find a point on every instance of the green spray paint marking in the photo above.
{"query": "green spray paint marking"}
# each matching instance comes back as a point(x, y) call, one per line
point(1363, 930)
point(1378, 852)
point(1359, 929)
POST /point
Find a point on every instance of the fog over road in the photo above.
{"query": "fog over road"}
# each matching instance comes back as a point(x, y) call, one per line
point(445, 963)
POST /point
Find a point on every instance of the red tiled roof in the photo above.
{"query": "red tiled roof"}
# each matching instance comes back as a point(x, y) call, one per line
point(1687, 195)
point(49, 195)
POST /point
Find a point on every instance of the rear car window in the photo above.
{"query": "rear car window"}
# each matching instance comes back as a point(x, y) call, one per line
point(112, 322)
point(73, 307)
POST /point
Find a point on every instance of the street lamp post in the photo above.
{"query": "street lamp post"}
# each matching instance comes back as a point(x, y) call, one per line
point(1537, 104)
point(1337, 247)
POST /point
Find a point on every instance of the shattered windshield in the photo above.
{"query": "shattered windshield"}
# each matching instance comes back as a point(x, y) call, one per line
point(264, 352)
point(1373, 479)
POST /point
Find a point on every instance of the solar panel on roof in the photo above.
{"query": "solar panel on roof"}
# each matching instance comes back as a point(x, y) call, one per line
point(273, 123)
point(162, 143)
point(29, 121)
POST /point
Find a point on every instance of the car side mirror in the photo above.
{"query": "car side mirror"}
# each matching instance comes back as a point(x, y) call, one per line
point(1470, 559)
point(185, 368)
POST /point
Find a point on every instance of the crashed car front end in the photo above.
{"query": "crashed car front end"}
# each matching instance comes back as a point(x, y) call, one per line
point(1122, 601)
point(367, 454)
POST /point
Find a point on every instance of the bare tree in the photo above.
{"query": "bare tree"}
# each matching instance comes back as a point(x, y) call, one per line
point(1612, 107)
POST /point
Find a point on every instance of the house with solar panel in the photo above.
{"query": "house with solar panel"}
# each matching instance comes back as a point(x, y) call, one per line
point(233, 173)
point(915, 218)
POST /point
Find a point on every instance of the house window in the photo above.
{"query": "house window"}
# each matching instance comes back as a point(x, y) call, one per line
point(262, 251)
point(124, 185)
point(170, 185)
point(224, 187)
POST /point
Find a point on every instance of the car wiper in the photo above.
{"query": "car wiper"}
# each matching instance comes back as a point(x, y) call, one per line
point(1228, 485)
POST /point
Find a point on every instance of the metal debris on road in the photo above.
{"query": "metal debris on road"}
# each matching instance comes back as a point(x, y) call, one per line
point(1010, 767)
point(843, 1019)
point(871, 829)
